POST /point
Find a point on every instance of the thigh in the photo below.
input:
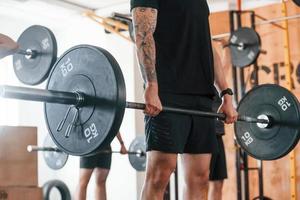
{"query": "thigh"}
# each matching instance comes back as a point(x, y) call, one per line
point(218, 167)
point(195, 164)
point(101, 174)
point(167, 132)
point(85, 175)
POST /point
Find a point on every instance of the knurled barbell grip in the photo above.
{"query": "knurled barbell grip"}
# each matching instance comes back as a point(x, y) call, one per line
point(220, 116)
point(142, 106)
point(32, 148)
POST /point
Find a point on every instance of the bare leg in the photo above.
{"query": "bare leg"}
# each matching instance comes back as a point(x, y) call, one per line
point(84, 178)
point(160, 166)
point(215, 190)
point(196, 172)
point(101, 176)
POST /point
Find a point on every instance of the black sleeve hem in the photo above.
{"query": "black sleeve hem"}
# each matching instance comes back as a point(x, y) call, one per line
point(142, 3)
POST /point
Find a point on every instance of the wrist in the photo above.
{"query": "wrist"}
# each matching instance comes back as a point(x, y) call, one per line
point(227, 99)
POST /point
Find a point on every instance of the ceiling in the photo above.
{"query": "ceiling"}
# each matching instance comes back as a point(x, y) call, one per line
point(96, 4)
point(90, 4)
point(105, 7)
point(107, 4)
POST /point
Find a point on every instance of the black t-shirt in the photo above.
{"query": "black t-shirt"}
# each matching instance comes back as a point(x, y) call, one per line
point(184, 59)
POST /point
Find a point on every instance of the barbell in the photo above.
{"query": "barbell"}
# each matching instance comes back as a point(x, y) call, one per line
point(245, 46)
point(56, 158)
point(85, 100)
point(36, 55)
point(53, 156)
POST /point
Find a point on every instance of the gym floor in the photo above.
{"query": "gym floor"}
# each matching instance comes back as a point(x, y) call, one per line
point(71, 27)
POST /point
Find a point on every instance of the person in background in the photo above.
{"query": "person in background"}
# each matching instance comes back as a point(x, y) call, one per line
point(100, 165)
point(7, 46)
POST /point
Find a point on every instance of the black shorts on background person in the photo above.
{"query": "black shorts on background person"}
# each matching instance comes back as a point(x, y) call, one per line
point(99, 164)
point(100, 160)
point(218, 167)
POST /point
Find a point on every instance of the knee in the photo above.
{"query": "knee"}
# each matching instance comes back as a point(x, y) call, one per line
point(100, 181)
point(159, 178)
point(83, 183)
point(198, 178)
point(101, 176)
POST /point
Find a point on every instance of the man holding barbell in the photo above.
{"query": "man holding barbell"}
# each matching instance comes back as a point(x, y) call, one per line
point(100, 164)
point(176, 60)
point(7, 46)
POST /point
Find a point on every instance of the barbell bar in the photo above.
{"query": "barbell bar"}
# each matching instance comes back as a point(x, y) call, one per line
point(34, 148)
point(56, 158)
point(79, 99)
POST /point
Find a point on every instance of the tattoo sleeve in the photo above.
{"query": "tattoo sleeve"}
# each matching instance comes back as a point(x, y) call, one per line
point(144, 21)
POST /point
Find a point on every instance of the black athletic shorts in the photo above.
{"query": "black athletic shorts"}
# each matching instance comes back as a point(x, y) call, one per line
point(218, 167)
point(100, 160)
point(180, 133)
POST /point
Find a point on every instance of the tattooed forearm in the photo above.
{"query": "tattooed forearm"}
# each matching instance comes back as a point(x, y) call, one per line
point(144, 20)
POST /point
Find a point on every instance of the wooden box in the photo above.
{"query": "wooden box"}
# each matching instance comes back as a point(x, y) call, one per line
point(21, 193)
point(18, 167)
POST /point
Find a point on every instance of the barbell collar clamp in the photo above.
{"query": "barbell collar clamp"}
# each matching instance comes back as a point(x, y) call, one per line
point(254, 120)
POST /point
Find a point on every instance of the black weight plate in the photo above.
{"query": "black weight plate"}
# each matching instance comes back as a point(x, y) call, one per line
point(297, 2)
point(54, 159)
point(94, 72)
point(35, 70)
point(138, 161)
point(278, 140)
point(242, 57)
